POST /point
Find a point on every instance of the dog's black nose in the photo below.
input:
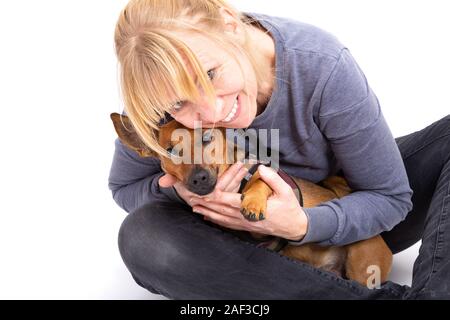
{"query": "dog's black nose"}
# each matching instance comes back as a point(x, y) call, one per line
point(201, 181)
point(199, 176)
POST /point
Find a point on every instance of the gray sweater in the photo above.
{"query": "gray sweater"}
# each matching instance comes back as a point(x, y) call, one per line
point(329, 120)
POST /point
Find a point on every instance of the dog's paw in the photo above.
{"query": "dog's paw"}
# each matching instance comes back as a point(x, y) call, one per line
point(253, 207)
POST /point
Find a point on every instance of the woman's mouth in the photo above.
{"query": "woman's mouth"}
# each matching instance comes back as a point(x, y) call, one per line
point(234, 113)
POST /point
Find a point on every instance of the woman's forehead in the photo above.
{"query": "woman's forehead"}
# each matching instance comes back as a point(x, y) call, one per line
point(206, 50)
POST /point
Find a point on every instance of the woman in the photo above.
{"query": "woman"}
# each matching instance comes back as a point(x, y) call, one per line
point(201, 60)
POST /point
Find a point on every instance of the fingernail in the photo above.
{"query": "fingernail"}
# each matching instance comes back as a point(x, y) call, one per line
point(262, 169)
point(196, 210)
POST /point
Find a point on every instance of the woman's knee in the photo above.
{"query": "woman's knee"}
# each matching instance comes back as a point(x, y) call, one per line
point(134, 235)
point(160, 247)
point(440, 150)
point(148, 240)
point(440, 129)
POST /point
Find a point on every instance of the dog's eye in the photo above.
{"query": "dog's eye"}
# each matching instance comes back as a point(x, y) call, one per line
point(171, 151)
point(208, 136)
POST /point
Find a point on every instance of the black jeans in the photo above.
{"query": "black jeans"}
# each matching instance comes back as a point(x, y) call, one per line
point(173, 252)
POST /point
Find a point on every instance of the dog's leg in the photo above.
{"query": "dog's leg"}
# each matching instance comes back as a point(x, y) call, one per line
point(331, 259)
point(359, 256)
point(336, 184)
point(254, 198)
point(364, 255)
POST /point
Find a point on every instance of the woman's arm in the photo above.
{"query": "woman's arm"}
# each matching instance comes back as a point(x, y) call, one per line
point(133, 180)
point(351, 119)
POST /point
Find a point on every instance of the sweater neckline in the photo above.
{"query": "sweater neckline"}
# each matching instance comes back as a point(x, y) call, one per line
point(264, 20)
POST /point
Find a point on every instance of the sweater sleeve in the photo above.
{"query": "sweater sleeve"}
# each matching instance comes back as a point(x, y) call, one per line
point(351, 120)
point(133, 180)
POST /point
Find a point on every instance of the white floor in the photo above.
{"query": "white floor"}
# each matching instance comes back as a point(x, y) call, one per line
point(403, 265)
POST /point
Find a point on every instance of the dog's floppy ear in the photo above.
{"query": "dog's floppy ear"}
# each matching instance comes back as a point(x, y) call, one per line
point(128, 135)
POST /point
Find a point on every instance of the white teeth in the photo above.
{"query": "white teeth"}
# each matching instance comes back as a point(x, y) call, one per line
point(232, 112)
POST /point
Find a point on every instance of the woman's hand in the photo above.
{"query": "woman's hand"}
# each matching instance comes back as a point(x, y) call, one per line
point(284, 217)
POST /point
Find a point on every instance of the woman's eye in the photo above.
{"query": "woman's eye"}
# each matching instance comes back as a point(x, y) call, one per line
point(211, 74)
point(178, 105)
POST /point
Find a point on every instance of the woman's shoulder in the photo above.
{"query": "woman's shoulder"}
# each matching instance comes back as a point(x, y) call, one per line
point(300, 36)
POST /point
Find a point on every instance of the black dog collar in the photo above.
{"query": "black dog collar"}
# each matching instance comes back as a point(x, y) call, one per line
point(287, 178)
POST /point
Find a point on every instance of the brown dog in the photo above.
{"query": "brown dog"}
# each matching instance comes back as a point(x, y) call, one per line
point(352, 261)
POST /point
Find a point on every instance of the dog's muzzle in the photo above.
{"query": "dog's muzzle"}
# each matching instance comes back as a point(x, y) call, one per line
point(201, 181)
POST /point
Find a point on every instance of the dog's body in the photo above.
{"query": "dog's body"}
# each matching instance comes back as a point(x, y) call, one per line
point(352, 261)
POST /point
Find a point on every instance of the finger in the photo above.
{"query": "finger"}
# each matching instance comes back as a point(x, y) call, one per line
point(182, 188)
point(228, 175)
point(235, 190)
point(220, 219)
point(224, 209)
point(184, 193)
point(167, 180)
point(236, 180)
point(273, 179)
point(232, 199)
point(235, 224)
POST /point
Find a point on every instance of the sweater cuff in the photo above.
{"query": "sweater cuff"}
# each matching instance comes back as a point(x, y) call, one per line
point(322, 225)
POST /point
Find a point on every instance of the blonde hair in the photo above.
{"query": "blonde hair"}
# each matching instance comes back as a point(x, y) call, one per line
point(154, 62)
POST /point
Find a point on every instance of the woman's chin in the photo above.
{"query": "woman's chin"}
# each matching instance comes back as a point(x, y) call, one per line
point(246, 121)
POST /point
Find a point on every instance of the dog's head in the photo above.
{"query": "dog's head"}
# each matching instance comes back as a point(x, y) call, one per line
point(207, 153)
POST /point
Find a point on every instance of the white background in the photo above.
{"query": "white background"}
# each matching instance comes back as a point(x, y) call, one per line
point(58, 85)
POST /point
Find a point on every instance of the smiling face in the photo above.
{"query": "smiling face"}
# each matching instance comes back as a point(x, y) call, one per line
point(236, 88)
point(210, 64)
